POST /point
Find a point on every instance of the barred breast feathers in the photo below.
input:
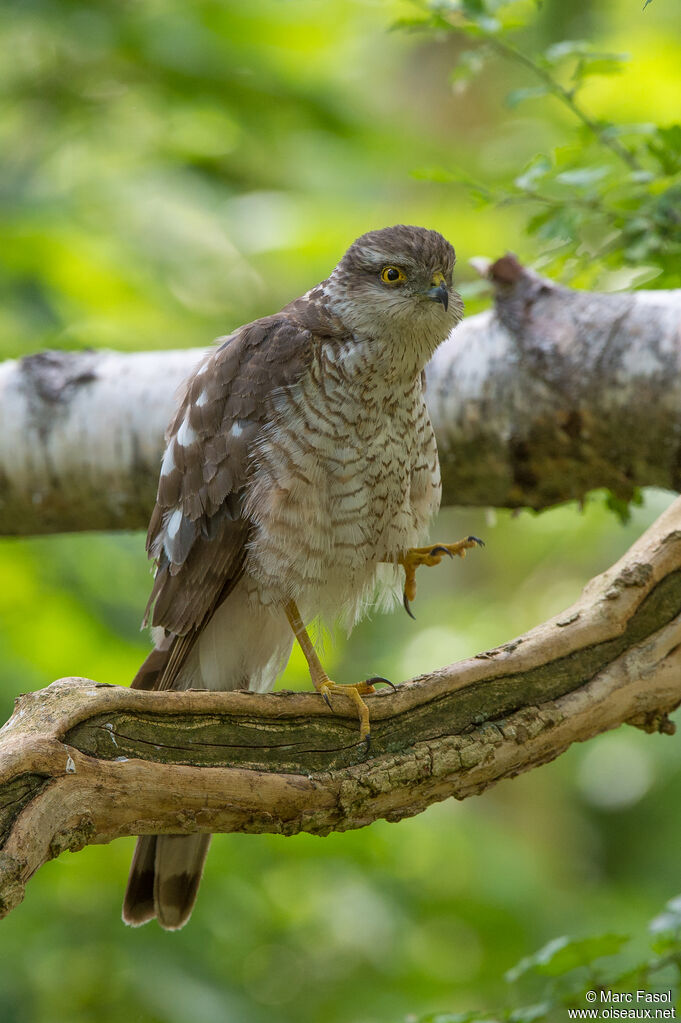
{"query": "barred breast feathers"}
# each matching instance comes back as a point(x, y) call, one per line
point(346, 477)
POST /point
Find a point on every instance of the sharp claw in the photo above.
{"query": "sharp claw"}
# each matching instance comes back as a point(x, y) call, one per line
point(407, 608)
point(476, 539)
point(440, 549)
point(379, 678)
point(327, 701)
point(367, 744)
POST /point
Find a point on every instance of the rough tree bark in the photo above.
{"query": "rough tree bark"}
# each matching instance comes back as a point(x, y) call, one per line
point(84, 763)
point(551, 394)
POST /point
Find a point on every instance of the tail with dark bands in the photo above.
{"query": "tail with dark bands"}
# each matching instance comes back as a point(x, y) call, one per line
point(164, 879)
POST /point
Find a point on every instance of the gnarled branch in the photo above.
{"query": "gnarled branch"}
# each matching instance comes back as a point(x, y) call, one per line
point(84, 763)
point(551, 394)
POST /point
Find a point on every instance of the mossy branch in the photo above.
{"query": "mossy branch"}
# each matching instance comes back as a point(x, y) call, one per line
point(82, 762)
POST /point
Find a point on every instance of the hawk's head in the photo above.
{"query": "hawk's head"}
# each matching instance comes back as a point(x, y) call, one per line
point(395, 286)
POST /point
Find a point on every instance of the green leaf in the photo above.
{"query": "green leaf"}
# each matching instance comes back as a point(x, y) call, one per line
point(539, 220)
point(474, 8)
point(556, 223)
point(590, 61)
point(626, 278)
point(667, 944)
point(671, 137)
point(444, 7)
point(530, 1013)
point(641, 177)
point(516, 14)
point(481, 13)
point(517, 96)
point(615, 131)
point(533, 173)
point(669, 919)
point(581, 176)
point(566, 48)
point(665, 146)
point(564, 954)
point(599, 64)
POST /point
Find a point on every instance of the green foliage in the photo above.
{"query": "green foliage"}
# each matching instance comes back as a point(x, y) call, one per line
point(563, 955)
point(170, 171)
point(609, 199)
point(575, 967)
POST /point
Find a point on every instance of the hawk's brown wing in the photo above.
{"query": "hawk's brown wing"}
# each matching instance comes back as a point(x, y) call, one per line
point(198, 533)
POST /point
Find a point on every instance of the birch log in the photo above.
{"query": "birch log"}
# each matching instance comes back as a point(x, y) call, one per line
point(85, 763)
point(552, 393)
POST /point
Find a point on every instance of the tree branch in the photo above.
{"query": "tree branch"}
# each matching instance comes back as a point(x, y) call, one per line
point(85, 763)
point(551, 394)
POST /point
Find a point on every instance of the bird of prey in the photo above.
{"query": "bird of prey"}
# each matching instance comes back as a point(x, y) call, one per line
point(300, 472)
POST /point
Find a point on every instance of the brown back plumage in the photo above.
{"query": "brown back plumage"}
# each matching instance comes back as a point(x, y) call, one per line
point(197, 533)
point(289, 397)
point(198, 537)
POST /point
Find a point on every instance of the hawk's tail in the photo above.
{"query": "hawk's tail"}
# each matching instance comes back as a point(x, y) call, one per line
point(151, 671)
point(164, 879)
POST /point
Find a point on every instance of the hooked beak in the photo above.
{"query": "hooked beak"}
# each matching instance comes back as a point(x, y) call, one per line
point(438, 291)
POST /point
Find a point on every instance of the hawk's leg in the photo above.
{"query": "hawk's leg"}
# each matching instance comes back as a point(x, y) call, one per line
point(432, 555)
point(321, 681)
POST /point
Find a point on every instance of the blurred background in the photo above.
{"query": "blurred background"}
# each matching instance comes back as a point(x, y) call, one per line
point(169, 171)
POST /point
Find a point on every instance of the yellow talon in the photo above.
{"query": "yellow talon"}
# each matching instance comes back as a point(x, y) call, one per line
point(354, 691)
point(429, 556)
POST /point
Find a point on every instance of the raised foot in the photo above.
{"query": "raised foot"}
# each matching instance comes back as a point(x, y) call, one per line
point(432, 555)
point(355, 691)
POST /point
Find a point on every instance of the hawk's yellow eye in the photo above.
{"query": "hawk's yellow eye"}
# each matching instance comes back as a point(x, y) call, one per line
point(391, 275)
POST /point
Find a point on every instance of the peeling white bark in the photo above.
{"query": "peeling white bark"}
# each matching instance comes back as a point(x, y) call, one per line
point(549, 395)
point(81, 437)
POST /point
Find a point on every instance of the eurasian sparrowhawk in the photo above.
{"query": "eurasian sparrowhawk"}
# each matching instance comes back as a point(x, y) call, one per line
point(300, 471)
